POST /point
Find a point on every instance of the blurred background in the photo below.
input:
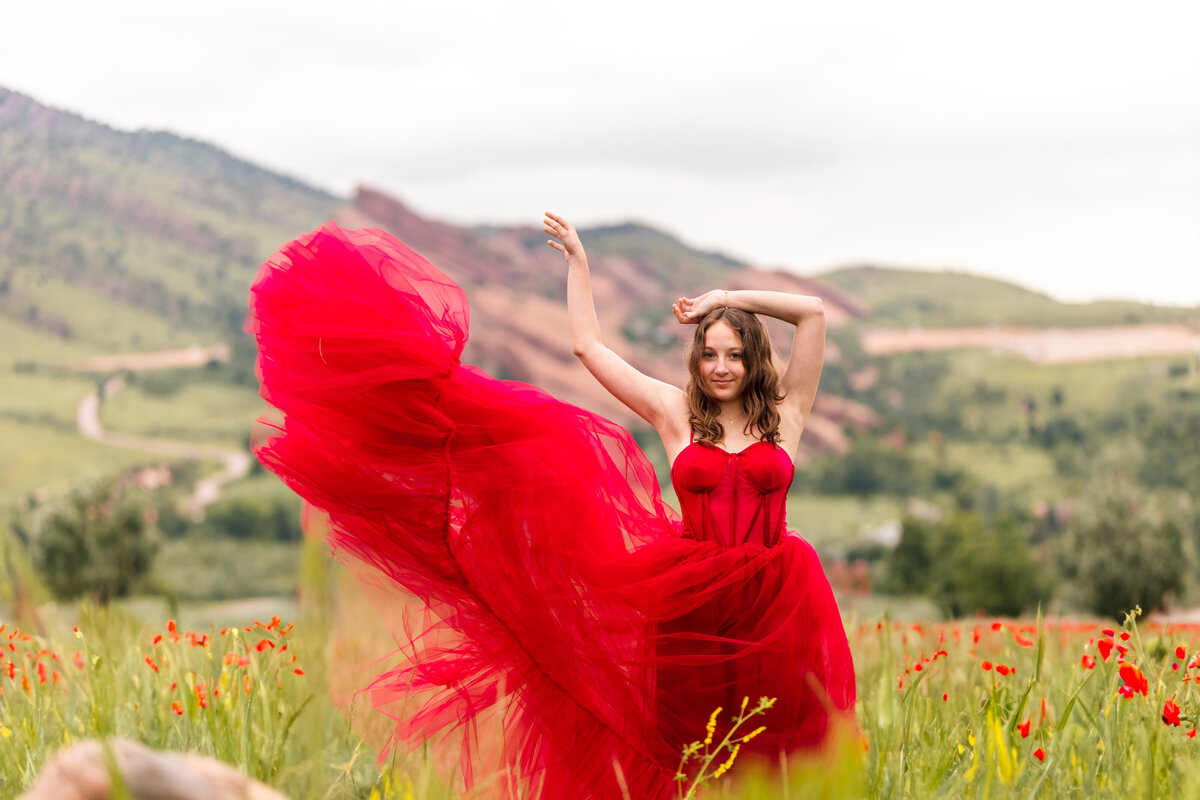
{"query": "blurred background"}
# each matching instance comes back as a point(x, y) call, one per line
point(1000, 208)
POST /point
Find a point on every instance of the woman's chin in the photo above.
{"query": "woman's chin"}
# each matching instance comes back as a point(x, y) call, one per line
point(724, 393)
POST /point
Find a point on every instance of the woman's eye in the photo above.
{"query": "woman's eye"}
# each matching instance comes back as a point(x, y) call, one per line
point(735, 355)
point(710, 355)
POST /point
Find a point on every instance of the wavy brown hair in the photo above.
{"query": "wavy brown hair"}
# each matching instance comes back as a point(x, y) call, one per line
point(760, 395)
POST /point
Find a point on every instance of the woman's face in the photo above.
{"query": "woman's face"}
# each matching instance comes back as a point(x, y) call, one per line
point(721, 367)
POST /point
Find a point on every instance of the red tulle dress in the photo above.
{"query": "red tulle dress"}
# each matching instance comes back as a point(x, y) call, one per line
point(576, 634)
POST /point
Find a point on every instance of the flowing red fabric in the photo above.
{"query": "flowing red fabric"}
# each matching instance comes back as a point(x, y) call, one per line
point(576, 632)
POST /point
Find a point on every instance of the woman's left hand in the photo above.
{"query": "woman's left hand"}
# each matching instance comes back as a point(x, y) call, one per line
point(690, 310)
point(568, 239)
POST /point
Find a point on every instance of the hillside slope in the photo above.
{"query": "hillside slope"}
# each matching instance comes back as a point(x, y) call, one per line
point(111, 240)
point(900, 297)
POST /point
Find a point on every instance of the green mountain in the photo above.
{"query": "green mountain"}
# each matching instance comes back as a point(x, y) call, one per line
point(915, 297)
point(112, 240)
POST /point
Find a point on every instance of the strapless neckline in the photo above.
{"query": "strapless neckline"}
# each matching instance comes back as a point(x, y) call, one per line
point(720, 449)
point(733, 452)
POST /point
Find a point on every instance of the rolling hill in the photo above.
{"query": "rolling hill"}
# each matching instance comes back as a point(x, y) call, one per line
point(117, 241)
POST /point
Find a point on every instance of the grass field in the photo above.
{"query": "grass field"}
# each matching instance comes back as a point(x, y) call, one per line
point(38, 457)
point(1010, 466)
point(208, 412)
point(983, 708)
point(828, 520)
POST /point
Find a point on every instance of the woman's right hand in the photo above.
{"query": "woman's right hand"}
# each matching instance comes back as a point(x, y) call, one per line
point(568, 239)
point(690, 310)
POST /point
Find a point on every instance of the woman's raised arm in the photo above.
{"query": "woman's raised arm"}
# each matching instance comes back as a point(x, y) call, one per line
point(659, 403)
point(798, 381)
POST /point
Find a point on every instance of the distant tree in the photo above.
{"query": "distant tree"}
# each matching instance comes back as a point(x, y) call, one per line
point(966, 564)
point(95, 541)
point(872, 467)
point(1171, 438)
point(911, 560)
point(1120, 551)
point(987, 567)
point(267, 519)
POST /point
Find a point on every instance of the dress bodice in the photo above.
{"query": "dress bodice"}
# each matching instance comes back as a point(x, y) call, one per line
point(733, 498)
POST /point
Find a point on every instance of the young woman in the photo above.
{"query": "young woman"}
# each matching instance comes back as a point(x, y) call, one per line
point(770, 627)
point(576, 634)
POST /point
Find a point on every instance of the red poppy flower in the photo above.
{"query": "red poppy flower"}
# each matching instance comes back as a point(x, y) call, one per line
point(1170, 714)
point(1088, 662)
point(1039, 754)
point(1024, 727)
point(1180, 652)
point(1124, 636)
point(987, 665)
point(1003, 669)
point(1134, 679)
point(1105, 647)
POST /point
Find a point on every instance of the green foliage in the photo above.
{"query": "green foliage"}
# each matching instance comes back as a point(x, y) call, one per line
point(916, 297)
point(94, 541)
point(1170, 434)
point(1121, 550)
point(966, 564)
point(266, 519)
point(870, 467)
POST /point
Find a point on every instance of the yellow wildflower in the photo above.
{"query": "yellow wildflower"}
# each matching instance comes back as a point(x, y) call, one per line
point(754, 733)
point(721, 770)
point(711, 727)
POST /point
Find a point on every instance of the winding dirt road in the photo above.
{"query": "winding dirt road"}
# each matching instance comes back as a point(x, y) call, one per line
point(235, 463)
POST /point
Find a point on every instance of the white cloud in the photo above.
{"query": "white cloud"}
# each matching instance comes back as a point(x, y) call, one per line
point(1028, 139)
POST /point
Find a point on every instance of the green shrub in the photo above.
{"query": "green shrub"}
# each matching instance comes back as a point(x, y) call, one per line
point(94, 541)
point(967, 565)
point(1121, 550)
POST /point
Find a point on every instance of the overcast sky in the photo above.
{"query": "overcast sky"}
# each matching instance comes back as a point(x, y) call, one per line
point(1054, 144)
